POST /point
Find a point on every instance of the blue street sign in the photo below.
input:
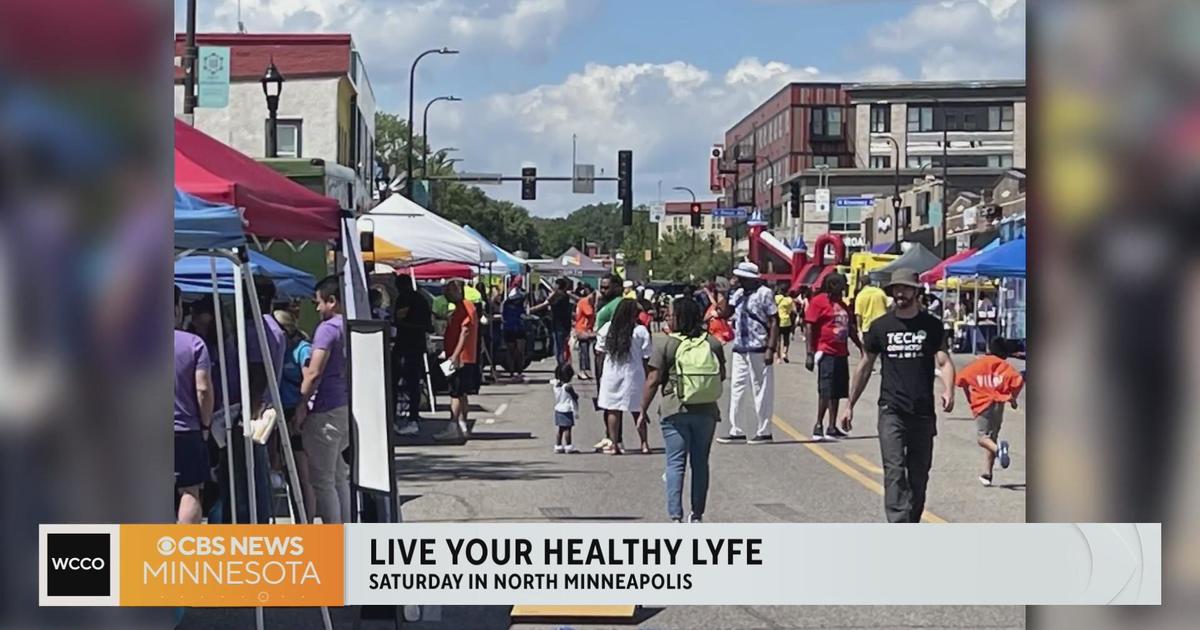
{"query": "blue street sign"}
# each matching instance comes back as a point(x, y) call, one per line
point(729, 213)
point(854, 202)
point(212, 77)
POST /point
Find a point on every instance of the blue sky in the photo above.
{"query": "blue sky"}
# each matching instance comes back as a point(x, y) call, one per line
point(664, 78)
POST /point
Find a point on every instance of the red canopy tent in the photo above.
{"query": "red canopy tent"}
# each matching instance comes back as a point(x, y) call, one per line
point(275, 206)
point(439, 271)
point(937, 273)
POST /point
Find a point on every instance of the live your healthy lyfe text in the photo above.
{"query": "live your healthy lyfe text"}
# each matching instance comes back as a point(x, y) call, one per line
point(617, 564)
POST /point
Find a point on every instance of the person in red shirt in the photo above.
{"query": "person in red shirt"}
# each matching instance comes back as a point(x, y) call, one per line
point(830, 325)
point(462, 339)
point(989, 383)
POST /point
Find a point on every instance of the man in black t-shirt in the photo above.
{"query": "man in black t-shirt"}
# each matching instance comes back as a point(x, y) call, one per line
point(412, 318)
point(911, 342)
point(562, 312)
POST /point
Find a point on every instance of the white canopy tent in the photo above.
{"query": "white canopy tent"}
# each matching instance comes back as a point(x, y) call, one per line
point(400, 224)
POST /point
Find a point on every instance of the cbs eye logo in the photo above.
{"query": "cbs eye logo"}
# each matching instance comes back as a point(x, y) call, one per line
point(78, 565)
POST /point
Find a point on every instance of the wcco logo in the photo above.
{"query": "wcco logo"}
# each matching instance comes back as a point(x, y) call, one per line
point(77, 564)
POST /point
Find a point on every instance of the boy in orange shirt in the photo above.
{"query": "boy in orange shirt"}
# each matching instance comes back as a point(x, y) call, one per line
point(989, 383)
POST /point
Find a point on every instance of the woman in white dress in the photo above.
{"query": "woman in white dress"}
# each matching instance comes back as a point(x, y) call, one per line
point(626, 347)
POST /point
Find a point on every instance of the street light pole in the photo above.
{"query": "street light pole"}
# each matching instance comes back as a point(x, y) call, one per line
point(272, 86)
point(689, 191)
point(412, 74)
point(425, 132)
point(896, 183)
point(945, 175)
point(190, 54)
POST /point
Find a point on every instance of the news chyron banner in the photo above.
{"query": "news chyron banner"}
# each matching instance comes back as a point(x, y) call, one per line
point(600, 564)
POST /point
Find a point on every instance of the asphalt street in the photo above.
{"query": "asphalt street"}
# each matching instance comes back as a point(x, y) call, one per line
point(508, 472)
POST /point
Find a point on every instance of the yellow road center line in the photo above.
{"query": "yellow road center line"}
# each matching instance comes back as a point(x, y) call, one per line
point(847, 469)
point(864, 463)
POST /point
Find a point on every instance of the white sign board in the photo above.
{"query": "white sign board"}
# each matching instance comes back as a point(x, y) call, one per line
point(822, 200)
point(584, 180)
point(657, 212)
point(368, 399)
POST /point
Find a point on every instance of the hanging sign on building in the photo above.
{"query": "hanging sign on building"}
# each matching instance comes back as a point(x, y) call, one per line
point(212, 77)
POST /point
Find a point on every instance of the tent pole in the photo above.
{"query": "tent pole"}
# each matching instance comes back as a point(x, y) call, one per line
point(217, 315)
point(285, 441)
point(244, 364)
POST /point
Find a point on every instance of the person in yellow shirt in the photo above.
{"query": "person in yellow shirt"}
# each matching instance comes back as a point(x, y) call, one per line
point(787, 321)
point(870, 304)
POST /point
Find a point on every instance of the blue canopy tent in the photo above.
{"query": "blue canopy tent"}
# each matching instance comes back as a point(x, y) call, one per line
point(207, 237)
point(1006, 261)
point(505, 263)
point(1003, 261)
point(194, 275)
point(201, 224)
point(970, 266)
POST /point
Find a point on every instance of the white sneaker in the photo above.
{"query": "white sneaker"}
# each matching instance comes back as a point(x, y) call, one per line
point(466, 430)
point(985, 481)
point(559, 449)
point(570, 449)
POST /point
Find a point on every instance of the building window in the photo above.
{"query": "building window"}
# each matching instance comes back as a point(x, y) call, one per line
point(1000, 118)
point(881, 161)
point(920, 119)
point(290, 141)
point(881, 118)
point(1004, 160)
point(826, 122)
point(825, 160)
point(845, 219)
point(917, 161)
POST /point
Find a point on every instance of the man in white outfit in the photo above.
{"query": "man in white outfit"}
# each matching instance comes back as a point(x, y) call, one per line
point(755, 316)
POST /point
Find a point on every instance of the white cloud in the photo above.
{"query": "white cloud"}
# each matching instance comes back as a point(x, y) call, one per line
point(959, 39)
point(669, 114)
point(399, 29)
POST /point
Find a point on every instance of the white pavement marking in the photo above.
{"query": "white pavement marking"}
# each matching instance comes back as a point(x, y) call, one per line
point(489, 421)
point(501, 409)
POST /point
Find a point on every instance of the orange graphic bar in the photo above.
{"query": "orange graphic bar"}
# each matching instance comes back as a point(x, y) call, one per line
point(232, 565)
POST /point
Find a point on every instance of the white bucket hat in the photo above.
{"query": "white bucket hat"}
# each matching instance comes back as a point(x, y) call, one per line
point(747, 270)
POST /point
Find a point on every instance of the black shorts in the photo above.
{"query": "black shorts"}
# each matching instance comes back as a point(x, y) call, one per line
point(511, 336)
point(785, 332)
point(191, 459)
point(833, 377)
point(465, 380)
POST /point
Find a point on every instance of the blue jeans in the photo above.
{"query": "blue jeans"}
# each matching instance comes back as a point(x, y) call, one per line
point(559, 338)
point(687, 435)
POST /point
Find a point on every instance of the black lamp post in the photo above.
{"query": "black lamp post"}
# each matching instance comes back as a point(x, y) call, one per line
point(425, 132)
point(896, 193)
point(412, 74)
point(272, 85)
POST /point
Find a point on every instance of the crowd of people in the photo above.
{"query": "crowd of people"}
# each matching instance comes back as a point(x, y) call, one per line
point(606, 334)
point(310, 378)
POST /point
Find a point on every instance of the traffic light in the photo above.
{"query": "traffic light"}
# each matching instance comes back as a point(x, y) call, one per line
point(697, 219)
point(794, 191)
point(625, 175)
point(625, 185)
point(528, 183)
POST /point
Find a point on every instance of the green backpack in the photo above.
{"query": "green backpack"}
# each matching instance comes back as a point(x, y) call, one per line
point(695, 371)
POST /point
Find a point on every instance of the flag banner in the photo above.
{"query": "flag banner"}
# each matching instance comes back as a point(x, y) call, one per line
point(542, 564)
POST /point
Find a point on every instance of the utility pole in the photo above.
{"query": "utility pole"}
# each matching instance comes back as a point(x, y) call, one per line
point(190, 54)
point(945, 178)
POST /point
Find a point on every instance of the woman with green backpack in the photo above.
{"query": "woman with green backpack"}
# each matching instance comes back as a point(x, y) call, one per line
point(690, 370)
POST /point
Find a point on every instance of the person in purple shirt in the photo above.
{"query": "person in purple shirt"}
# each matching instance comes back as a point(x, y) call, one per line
point(276, 346)
point(326, 426)
point(193, 415)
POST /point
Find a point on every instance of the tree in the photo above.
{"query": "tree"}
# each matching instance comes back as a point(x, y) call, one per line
point(679, 258)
